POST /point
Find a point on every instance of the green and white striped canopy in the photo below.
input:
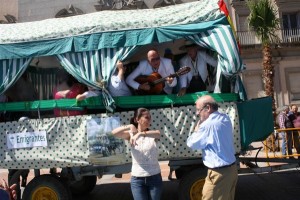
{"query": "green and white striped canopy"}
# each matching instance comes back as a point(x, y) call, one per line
point(106, 29)
point(94, 33)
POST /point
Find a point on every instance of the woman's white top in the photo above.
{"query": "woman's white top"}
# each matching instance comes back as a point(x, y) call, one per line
point(145, 158)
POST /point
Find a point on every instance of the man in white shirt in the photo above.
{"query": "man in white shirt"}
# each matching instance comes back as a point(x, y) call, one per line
point(154, 63)
point(117, 85)
point(197, 79)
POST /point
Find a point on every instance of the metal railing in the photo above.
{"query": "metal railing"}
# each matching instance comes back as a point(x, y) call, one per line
point(281, 150)
point(285, 36)
point(283, 138)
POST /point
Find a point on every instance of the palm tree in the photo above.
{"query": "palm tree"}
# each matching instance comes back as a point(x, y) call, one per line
point(264, 22)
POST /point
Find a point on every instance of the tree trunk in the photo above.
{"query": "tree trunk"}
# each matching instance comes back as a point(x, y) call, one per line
point(268, 74)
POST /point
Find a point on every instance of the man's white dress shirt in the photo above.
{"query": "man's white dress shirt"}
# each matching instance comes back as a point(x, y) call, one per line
point(197, 68)
point(144, 68)
point(118, 87)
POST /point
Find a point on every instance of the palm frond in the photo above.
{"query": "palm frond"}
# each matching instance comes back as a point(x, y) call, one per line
point(263, 20)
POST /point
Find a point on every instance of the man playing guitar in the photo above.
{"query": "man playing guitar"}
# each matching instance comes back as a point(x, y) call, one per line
point(153, 65)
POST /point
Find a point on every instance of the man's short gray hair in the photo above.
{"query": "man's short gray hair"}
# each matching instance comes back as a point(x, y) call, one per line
point(282, 108)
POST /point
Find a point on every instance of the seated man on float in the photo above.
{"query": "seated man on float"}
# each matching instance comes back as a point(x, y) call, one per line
point(151, 76)
point(116, 85)
point(197, 79)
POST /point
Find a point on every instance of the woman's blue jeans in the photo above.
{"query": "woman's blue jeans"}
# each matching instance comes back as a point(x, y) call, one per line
point(146, 188)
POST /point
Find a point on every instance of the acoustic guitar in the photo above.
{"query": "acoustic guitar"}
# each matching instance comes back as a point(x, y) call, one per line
point(156, 82)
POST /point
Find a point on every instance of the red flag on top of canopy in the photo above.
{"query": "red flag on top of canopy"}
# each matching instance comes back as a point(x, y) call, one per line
point(223, 7)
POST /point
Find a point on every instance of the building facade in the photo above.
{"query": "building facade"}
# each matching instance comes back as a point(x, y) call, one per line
point(34, 10)
point(286, 54)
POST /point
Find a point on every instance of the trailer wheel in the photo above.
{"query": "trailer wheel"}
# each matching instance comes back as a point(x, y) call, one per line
point(46, 187)
point(191, 185)
point(83, 186)
point(179, 173)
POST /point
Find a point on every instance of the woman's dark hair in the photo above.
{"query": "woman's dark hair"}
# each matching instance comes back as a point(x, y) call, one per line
point(71, 80)
point(64, 76)
point(137, 115)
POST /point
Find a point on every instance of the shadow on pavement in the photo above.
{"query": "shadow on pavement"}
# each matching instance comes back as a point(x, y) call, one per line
point(121, 191)
point(267, 186)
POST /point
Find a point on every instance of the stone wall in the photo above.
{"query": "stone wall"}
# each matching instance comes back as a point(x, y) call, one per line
point(28, 10)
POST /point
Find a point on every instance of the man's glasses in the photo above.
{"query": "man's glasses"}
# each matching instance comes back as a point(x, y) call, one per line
point(200, 110)
point(154, 59)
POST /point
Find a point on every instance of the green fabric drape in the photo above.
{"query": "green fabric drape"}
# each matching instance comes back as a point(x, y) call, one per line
point(98, 30)
point(94, 68)
point(256, 120)
point(44, 80)
point(113, 39)
point(11, 70)
point(81, 36)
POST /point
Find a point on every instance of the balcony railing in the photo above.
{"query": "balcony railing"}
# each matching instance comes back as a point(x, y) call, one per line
point(286, 36)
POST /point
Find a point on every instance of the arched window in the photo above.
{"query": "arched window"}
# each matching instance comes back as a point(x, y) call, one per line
point(70, 11)
point(9, 19)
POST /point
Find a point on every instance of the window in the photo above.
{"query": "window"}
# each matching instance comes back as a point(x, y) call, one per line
point(291, 26)
point(243, 23)
point(293, 84)
point(253, 84)
point(291, 21)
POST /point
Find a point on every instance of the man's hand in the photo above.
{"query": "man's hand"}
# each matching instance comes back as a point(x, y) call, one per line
point(120, 66)
point(181, 92)
point(144, 86)
point(197, 126)
point(121, 70)
point(169, 80)
point(10, 190)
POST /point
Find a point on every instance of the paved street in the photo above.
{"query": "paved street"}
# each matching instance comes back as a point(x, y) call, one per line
point(268, 186)
point(284, 185)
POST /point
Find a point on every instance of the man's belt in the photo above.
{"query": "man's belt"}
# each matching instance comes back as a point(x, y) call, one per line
point(225, 166)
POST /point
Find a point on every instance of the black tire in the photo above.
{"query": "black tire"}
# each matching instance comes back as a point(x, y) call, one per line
point(46, 187)
point(191, 184)
point(83, 186)
point(179, 173)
